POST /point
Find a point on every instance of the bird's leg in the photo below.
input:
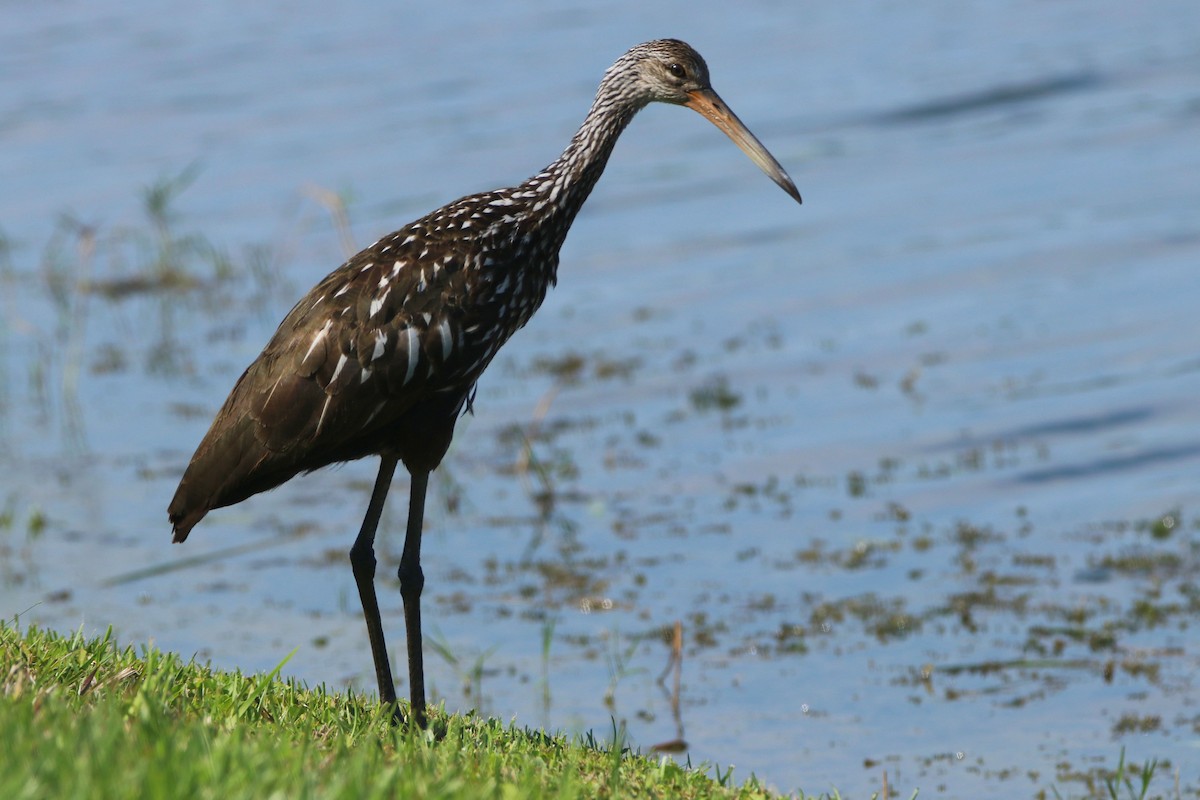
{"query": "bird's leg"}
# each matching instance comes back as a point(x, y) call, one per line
point(362, 560)
point(412, 581)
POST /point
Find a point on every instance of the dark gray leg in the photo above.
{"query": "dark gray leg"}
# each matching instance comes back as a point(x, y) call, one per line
point(412, 581)
point(362, 560)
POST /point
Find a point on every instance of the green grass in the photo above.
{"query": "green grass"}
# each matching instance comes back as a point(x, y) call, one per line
point(83, 718)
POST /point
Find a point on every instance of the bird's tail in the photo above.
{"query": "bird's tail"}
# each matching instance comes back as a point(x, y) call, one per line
point(229, 465)
point(182, 522)
point(253, 444)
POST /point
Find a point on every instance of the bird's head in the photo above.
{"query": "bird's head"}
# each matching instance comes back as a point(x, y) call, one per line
point(665, 71)
point(670, 71)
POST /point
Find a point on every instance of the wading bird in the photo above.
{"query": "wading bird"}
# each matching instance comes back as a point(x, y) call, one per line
point(383, 355)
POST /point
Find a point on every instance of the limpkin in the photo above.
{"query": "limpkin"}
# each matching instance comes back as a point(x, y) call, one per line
point(383, 355)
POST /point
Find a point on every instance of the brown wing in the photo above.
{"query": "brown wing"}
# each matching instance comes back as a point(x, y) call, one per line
point(373, 339)
point(385, 348)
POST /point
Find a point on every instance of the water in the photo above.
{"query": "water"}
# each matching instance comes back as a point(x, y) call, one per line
point(892, 458)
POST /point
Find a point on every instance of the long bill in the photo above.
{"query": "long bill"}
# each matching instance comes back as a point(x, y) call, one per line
point(708, 104)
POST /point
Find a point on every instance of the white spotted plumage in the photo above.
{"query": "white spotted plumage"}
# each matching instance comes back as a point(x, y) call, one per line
point(337, 371)
point(414, 351)
point(318, 339)
point(445, 336)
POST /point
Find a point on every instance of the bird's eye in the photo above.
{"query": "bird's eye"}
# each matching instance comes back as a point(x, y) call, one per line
point(677, 70)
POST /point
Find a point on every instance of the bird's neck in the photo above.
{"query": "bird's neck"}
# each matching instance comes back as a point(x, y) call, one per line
point(555, 195)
